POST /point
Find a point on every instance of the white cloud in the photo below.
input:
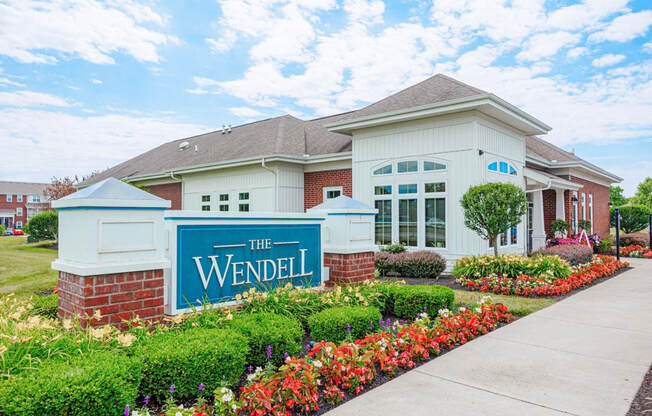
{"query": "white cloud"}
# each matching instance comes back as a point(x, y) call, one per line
point(577, 52)
point(246, 112)
point(607, 60)
point(7, 81)
point(30, 99)
point(587, 13)
point(544, 45)
point(88, 29)
point(81, 144)
point(624, 28)
point(96, 81)
point(647, 47)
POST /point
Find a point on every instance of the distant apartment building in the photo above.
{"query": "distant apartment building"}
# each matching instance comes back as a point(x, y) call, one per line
point(20, 201)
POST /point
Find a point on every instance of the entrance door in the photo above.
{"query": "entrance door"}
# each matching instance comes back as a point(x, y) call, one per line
point(530, 225)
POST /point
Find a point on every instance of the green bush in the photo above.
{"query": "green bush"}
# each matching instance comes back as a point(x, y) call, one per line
point(331, 324)
point(99, 384)
point(410, 301)
point(633, 218)
point(510, 265)
point(394, 248)
point(47, 306)
point(2, 230)
point(43, 226)
point(560, 226)
point(420, 264)
point(189, 358)
point(605, 247)
point(574, 254)
point(265, 329)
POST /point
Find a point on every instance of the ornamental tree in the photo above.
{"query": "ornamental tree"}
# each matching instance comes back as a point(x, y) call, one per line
point(643, 194)
point(43, 226)
point(633, 218)
point(493, 208)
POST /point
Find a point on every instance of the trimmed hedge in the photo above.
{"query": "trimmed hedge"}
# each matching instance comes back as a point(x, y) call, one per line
point(100, 383)
point(263, 329)
point(189, 358)
point(575, 254)
point(409, 301)
point(331, 324)
point(421, 264)
point(635, 239)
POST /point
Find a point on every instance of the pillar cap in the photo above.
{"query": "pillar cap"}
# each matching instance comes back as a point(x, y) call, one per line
point(343, 205)
point(111, 193)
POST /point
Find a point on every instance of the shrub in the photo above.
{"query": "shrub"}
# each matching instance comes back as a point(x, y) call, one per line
point(189, 358)
point(43, 226)
point(410, 301)
point(99, 383)
point(605, 247)
point(635, 239)
point(265, 329)
point(394, 248)
point(633, 218)
point(2, 230)
point(560, 226)
point(420, 264)
point(510, 265)
point(47, 306)
point(575, 254)
point(584, 225)
point(331, 324)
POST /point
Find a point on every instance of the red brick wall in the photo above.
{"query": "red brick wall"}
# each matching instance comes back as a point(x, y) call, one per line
point(169, 191)
point(549, 210)
point(314, 182)
point(11, 206)
point(600, 205)
point(350, 268)
point(118, 297)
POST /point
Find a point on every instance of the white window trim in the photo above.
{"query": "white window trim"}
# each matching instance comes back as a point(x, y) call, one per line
point(19, 224)
point(19, 211)
point(19, 198)
point(498, 167)
point(10, 198)
point(583, 206)
point(591, 211)
point(327, 189)
point(574, 214)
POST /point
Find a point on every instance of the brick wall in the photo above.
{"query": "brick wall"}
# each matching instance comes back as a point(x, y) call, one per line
point(600, 205)
point(349, 268)
point(314, 182)
point(118, 297)
point(11, 206)
point(549, 210)
point(169, 191)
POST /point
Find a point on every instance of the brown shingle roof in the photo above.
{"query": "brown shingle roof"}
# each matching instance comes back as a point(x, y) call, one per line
point(22, 188)
point(548, 151)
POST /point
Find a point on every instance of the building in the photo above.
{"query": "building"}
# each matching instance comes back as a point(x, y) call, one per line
point(19, 201)
point(411, 155)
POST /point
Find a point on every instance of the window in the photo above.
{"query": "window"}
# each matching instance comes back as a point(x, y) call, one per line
point(509, 237)
point(435, 187)
point(243, 207)
point(583, 206)
point(331, 192)
point(205, 207)
point(224, 208)
point(407, 189)
point(385, 170)
point(19, 212)
point(435, 222)
point(383, 190)
point(9, 196)
point(224, 197)
point(407, 166)
point(574, 214)
point(513, 235)
point(205, 198)
point(36, 198)
point(428, 166)
point(205, 202)
point(383, 221)
point(407, 221)
point(19, 224)
point(243, 196)
point(19, 198)
point(502, 167)
point(591, 211)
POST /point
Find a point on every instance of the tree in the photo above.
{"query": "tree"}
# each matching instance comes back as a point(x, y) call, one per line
point(616, 196)
point(61, 187)
point(643, 194)
point(43, 226)
point(493, 208)
point(633, 218)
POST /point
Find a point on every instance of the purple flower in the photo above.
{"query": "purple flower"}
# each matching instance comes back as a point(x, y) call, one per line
point(250, 368)
point(127, 410)
point(201, 387)
point(380, 322)
point(269, 352)
point(286, 356)
point(172, 389)
point(307, 347)
point(389, 322)
point(371, 326)
point(146, 401)
point(348, 328)
point(425, 309)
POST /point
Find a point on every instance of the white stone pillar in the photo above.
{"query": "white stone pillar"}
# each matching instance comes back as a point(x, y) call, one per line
point(538, 227)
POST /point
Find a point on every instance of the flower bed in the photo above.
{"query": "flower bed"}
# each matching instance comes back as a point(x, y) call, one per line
point(602, 266)
point(574, 254)
point(511, 265)
point(636, 251)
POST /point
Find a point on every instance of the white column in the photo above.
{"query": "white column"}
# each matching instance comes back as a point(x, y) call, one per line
point(560, 211)
point(538, 228)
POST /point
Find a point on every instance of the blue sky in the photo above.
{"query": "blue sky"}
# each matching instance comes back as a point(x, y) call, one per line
point(87, 84)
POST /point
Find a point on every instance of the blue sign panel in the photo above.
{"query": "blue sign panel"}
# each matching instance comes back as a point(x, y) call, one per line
point(216, 262)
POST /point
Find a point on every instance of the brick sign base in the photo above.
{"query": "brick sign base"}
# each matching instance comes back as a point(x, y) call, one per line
point(118, 297)
point(349, 268)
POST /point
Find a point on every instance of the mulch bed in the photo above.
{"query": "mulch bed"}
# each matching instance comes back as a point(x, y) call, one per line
point(642, 403)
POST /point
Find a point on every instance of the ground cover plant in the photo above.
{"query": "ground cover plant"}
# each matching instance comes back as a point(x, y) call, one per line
point(636, 251)
point(601, 266)
point(511, 265)
point(420, 264)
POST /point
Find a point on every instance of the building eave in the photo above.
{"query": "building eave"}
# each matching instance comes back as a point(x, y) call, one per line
point(574, 164)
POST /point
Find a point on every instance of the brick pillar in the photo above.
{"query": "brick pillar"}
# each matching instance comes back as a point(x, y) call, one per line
point(118, 297)
point(349, 268)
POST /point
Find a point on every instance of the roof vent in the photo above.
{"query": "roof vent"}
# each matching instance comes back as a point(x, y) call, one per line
point(223, 129)
point(196, 148)
point(229, 128)
point(184, 145)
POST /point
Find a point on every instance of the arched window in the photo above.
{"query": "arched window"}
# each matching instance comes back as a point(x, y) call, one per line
point(384, 170)
point(500, 166)
point(429, 165)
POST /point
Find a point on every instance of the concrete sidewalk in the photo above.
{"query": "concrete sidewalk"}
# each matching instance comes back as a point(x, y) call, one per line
point(586, 355)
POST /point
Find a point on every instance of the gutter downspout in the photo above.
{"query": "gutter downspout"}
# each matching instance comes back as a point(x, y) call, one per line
point(178, 179)
point(275, 182)
point(541, 189)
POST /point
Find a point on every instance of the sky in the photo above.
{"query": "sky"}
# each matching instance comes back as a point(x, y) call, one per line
point(87, 84)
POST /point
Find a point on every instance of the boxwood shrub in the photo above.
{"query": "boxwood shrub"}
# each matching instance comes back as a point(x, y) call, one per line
point(263, 329)
point(410, 301)
point(575, 254)
point(100, 383)
point(421, 264)
point(331, 324)
point(189, 358)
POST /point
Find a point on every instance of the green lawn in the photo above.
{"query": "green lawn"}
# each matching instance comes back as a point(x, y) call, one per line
point(517, 304)
point(25, 269)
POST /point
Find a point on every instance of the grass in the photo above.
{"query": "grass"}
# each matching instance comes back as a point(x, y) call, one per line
point(25, 268)
point(517, 305)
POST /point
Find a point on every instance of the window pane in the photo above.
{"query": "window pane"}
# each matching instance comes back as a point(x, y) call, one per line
point(435, 222)
point(407, 222)
point(243, 207)
point(333, 194)
point(243, 195)
point(385, 170)
point(205, 198)
point(224, 197)
point(493, 166)
point(503, 239)
point(383, 190)
point(427, 165)
point(503, 167)
point(205, 207)
point(224, 208)
point(513, 235)
point(512, 171)
point(384, 222)
point(407, 189)
point(435, 187)
point(408, 166)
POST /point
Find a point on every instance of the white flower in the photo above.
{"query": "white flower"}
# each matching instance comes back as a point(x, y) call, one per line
point(317, 363)
point(478, 310)
point(135, 413)
point(444, 312)
point(227, 397)
point(178, 414)
point(234, 407)
point(462, 309)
